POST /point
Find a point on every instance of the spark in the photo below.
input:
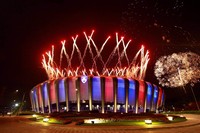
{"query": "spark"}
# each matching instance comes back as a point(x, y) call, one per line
point(178, 69)
point(131, 68)
point(157, 22)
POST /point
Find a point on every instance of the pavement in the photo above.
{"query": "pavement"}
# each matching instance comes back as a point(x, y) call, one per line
point(20, 124)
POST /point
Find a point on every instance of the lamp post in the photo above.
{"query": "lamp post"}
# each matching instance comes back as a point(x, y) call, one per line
point(190, 88)
point(194, 96)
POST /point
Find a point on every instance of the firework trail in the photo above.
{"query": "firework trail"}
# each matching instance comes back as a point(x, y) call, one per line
point(134, 69)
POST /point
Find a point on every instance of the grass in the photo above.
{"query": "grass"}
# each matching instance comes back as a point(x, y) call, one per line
point(113, 119)
point(178, 119)
point(138, 122)
point(125, 123)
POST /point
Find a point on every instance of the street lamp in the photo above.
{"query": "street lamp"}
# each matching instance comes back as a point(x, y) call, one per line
point(148, 121)
point(16, 104)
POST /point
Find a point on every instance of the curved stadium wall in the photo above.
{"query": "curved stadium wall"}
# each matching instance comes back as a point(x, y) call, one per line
point(89, 93)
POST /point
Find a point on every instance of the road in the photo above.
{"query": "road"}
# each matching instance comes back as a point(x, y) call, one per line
point(23, 125)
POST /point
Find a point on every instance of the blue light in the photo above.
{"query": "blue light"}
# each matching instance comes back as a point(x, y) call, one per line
point(155, 95)
point(35, 98)
point(149, 95)
point(155, 92)
point(45, 93)
point(131, 95)
point(96, 88)
point(61, 90)
point(121, 91)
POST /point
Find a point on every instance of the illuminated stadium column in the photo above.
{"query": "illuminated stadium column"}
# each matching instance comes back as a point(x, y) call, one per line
point(90, 92)
point(31, 99)
point(33, 103)
point(149, 96)
point(66, 84)
point(155, 98)
point(136, 96)
point(57, 85)
point(152, 99)
point(163, 98)
point(36, 100)
point(141, 97)
point(41, 95)
point(145, 97)
point(103, 95)
point(46, 98)
point(126, 95)
point(96, 90)
point(72, 90)
point(53, 94)
point(115, 86)
point(49, 98)
point(109, 91)
point(60, 92)
point(160, 94)
point(38, 90)
point(84, 91)
point(122, 93)
point(78, 94)
point(132, 94)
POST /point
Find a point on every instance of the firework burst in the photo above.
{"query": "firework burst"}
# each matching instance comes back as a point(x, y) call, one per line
point(178, 69)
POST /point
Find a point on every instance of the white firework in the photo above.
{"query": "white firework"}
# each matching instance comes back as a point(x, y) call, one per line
point(178, 69)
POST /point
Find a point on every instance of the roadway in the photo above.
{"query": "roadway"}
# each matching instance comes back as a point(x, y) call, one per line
point(20, 124)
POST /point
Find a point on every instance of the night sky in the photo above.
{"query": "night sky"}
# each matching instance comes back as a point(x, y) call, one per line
point(29, 28)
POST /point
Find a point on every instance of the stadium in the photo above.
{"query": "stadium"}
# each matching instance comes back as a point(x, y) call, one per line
point(105, 80)
point(103, 94)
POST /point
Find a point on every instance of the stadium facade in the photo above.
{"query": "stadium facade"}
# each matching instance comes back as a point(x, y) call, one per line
point(99, 93)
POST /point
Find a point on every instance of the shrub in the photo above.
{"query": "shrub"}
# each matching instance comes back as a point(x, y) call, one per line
point(80, 122)
point(67, 122)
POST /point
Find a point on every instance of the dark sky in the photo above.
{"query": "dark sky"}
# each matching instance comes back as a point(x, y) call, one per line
point(28, 28)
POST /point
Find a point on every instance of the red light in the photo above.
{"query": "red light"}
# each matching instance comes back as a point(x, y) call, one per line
point(63, 41)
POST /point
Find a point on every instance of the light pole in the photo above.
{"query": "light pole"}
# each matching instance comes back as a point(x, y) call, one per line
point(194, 95)
point(190, 88)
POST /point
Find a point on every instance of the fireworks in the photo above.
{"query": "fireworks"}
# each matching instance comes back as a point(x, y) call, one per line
point(91, 61)
point(157, 22)
point(178, 69)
